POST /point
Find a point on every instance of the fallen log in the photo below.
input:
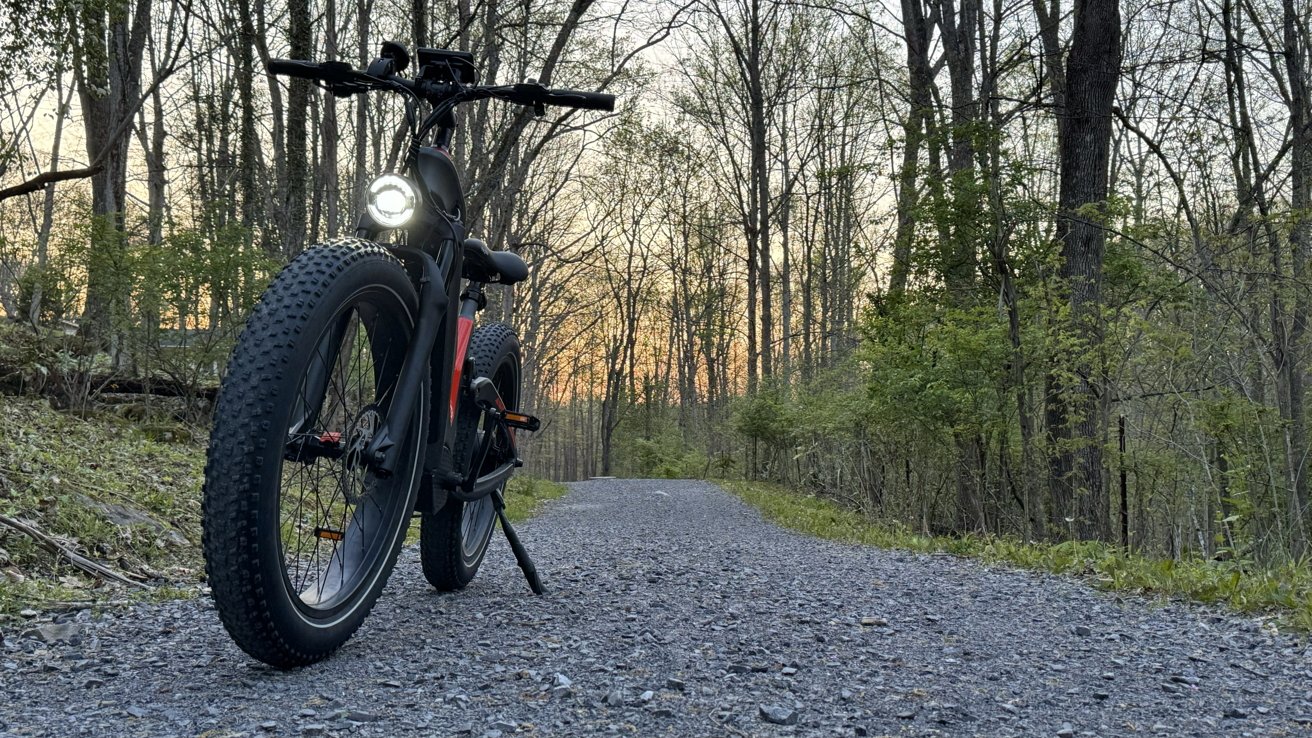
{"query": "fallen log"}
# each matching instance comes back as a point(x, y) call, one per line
point(12, 381)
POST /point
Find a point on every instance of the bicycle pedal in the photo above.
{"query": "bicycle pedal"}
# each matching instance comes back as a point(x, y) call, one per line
point(523, 421)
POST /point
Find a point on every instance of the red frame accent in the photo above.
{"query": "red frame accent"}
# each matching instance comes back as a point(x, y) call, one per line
point(465, 326)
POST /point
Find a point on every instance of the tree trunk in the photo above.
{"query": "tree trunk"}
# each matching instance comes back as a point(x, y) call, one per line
point(920, 80)
point(107, 72)
point(48, 199)
point(252, 194)
point(328, 176)
point(1300, 241)
point(298, 107)
point(363, 11)
point(1075, 413)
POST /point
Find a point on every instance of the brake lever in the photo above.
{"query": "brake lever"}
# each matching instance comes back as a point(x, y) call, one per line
point(346, 89)
point(534, 90)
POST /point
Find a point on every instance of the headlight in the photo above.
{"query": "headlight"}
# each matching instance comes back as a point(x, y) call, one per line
point(392, 200)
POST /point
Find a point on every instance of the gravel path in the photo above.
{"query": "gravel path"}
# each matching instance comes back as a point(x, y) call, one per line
point(675, 610)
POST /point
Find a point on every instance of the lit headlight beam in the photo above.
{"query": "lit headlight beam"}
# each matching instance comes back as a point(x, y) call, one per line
point(392, 200)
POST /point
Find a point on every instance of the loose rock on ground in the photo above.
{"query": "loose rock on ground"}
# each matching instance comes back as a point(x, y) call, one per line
point(676, 610)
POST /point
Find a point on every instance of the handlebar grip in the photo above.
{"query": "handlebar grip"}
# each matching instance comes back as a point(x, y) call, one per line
point(294, 68)
point(581, 99)
point(332, 72)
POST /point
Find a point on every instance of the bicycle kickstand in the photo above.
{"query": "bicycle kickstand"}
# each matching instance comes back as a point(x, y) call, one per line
point(521, 553)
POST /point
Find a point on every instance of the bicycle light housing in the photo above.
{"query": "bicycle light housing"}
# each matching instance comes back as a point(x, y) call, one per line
point(392, 200)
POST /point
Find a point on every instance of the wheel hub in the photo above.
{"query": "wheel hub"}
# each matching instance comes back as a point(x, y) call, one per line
point(361, 430)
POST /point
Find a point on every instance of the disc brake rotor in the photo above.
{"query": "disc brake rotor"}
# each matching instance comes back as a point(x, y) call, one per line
point(359, 433)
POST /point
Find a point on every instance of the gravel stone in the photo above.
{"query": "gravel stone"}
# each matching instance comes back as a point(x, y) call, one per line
point(778, 715)
point(712, 586)
point(52, 633)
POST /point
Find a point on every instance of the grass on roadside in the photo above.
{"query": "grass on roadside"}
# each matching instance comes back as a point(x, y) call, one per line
point(1285, 592)
point(106, 486)
point(525, 495)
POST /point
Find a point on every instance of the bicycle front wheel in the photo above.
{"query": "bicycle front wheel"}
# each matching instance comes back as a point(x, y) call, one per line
point(299, 534)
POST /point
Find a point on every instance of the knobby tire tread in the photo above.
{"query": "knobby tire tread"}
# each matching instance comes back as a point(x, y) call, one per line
point(248, 404)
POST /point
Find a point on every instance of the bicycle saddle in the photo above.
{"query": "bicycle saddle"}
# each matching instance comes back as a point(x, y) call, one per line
point(485, 265)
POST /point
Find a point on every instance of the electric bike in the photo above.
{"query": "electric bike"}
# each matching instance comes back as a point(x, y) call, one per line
point(360, 393)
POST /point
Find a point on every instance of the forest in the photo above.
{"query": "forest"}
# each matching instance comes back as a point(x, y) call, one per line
point(1026, 268)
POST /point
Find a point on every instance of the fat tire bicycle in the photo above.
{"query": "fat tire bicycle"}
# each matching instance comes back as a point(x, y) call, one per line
point(360, 391)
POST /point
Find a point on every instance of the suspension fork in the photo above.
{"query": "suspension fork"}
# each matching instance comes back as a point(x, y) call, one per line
point(383, 451)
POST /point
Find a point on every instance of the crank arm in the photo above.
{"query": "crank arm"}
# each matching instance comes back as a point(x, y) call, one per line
point(476, 489)
point(306, 448)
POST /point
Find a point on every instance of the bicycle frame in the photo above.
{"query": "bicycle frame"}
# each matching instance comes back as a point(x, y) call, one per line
point(434, 256)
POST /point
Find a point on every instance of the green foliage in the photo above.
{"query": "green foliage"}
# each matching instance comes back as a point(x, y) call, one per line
point(1284, 591)
point(171, 309)
point(666, 457)
point(54, 298)
point(763, 417)
point(934, 369)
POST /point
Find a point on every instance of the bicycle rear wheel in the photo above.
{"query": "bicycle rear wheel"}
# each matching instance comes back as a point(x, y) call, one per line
point(454, 540)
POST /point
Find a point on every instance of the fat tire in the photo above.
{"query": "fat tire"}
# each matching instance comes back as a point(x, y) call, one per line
point(246, 578)
point(441, 548)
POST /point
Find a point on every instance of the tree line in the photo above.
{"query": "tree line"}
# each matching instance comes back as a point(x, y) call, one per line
point(1031, 268)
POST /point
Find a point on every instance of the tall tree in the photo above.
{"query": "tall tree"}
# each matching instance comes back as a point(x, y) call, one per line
point(1291, 366)
point(1076, 418)
point(109, 43)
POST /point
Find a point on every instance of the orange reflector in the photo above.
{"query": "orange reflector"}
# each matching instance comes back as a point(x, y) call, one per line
point(332, 535)
point(517, 417)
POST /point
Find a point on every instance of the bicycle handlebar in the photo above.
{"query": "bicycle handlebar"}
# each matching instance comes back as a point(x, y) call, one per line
point(343, 79)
